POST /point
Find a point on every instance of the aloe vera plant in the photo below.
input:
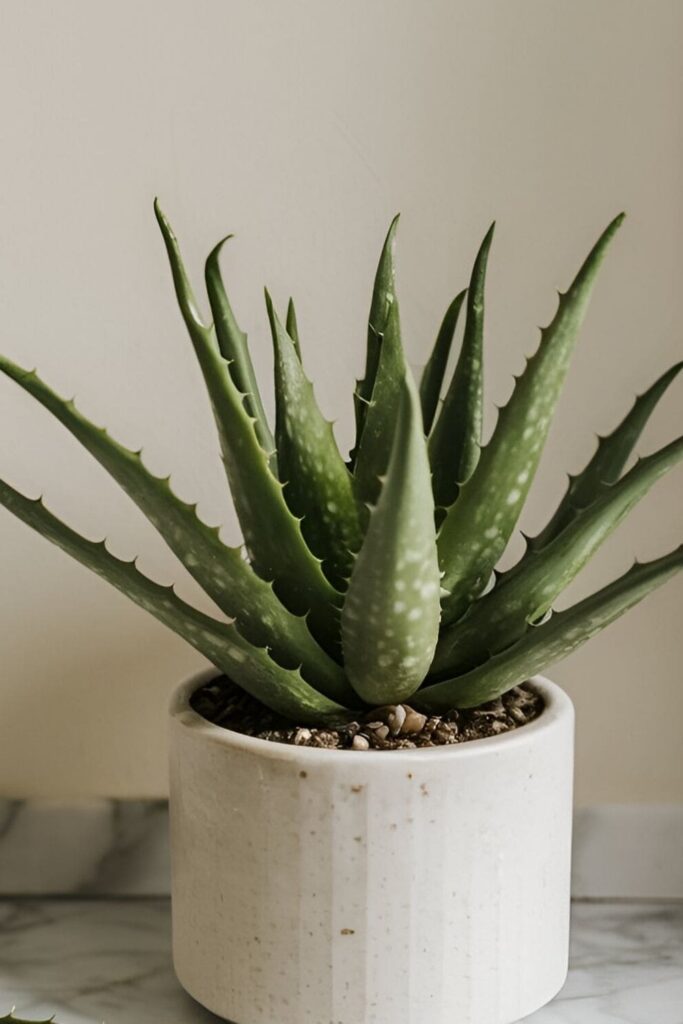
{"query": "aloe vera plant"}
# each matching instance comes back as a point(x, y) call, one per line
point(372, 580)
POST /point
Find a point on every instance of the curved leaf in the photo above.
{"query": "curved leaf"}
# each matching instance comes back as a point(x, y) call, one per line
point(520, 597)
point(478, 526)
point(9, 1018)
point(455, 441)
point(382, 413)
point(390, 619)
point(252, 668)
point(434, 372)
point(232, 342)
point(272, 534)
point(383, 297)
point(608, 462)
point(318, 485)
point(219, 570)
point(544, 645)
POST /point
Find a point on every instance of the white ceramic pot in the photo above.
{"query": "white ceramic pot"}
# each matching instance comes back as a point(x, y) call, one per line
point(338, 887)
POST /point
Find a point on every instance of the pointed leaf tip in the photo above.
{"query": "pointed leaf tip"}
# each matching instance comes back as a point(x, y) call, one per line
point(216, 251)
point(434, 371)
point(319, 489)
point(490, 502)
point(608, 461)
point(292, 326)
point(455, 442)
point(233, 346)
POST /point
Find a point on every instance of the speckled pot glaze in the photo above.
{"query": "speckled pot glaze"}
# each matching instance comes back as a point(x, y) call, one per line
point(404, 887)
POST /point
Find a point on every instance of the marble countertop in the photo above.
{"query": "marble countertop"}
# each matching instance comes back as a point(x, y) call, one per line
point(89, 961)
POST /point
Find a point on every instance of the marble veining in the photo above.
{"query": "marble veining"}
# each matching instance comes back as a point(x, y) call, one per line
point(94, 961)
point(84, 848)
point(102, 847)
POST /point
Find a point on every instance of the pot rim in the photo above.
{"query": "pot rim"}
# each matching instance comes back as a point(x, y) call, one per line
point(558, 707)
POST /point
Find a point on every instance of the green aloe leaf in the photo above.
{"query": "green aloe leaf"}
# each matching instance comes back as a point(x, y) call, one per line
point(546, 644)
point(273, 536)
point(318, 485)
point(232, 342)
point(390, 619)
point(283, 690)
point(9, 1018)
point(479, 524)
point(220, 570)
point(455, 441)
point(382, 413)
point(383, 297)
point(293, 327)
point(525, 595)
point(434, 372)
point(605, 467)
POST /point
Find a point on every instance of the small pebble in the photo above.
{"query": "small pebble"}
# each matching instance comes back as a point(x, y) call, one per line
point(360, 742)
point(413, 722)
point(397, 717)
point(443, 733)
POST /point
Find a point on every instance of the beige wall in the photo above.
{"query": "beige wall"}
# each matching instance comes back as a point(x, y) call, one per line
point(303, 126)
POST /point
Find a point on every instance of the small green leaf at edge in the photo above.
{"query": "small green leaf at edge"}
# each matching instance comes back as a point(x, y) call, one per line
point(390, 619)
point(11, 1019)
point(455, 441)
point(318, 485)
point(548, 643)
point(479, 524)
point(434, 371)
point(283, 690)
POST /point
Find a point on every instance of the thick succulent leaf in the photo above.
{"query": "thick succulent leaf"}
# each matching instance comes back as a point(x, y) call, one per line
point(293, 327)
point(546, 644)
point(524, 596)
point(11, 1019)
point(431, 382)
point(479, 524)
point(220, 570)
point(318, 485)
point(383, 297)
point(382, 413)
point(272, 534)
point(605, 467)
point(283, 690)
point(390, 619)
point(455, 442)
point(232, 342)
